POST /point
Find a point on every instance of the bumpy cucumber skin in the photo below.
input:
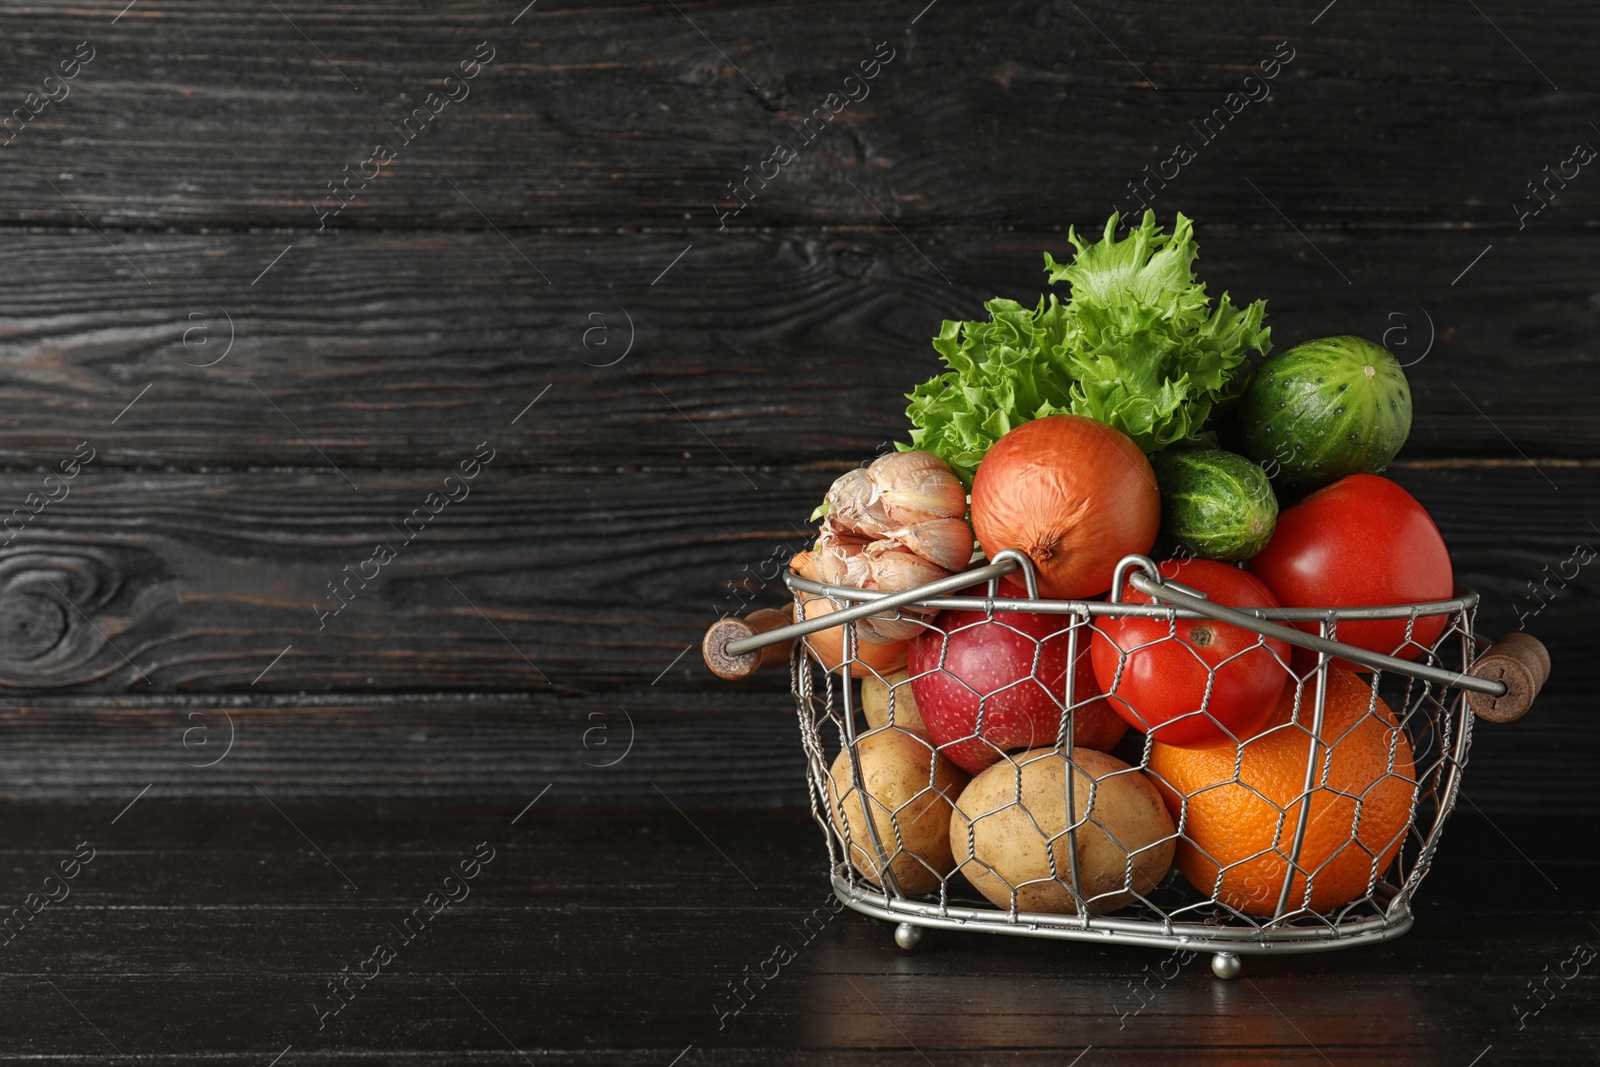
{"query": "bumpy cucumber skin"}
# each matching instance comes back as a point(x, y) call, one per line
point(1312, 414)
point(1214, 505)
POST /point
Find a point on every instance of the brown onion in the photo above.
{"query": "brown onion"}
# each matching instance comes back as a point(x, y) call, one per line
point(1073, 494)
point(804, 564)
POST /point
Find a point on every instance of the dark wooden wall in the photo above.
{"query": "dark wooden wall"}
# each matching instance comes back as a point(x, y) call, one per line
point(554, 237)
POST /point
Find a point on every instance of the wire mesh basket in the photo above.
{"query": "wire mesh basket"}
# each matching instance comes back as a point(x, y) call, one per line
point(1310, 831)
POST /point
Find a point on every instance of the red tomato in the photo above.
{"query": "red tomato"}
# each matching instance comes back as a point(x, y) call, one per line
point(1009, 674)
point(1361, 542)
point(1163, 683)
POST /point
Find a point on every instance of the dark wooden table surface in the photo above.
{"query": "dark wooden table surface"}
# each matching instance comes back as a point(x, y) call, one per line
point(550, 273)
point(211, 934)
point(554, 236)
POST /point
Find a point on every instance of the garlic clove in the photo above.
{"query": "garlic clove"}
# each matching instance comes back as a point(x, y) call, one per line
point(853, 505)
point(915, 487)
point(840, 560)
point(947, 543)
point(897, 570)
point(882, 631)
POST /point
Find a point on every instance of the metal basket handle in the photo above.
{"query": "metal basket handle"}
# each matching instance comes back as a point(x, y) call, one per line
point(728, 649)
point(1501, 684)
point(1522, 664)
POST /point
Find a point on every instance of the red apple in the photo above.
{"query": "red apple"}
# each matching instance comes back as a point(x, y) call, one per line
point(970, 666)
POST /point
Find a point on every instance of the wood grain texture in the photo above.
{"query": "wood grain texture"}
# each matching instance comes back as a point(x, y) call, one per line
point(569, 200)
point(703, 748)
point(202, 580)
point(566, 583)
point(197, 112)
point(389, 350)
point(632, 747)
point(206, 933)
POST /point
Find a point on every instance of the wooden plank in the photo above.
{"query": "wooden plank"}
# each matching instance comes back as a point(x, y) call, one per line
point(562, 583)
point(552, 583)
point(396, 349)
point(229, 906)
point(708, 749)
point(602, 585)
point(153, 841)
point(588, 117)
point(704, 747)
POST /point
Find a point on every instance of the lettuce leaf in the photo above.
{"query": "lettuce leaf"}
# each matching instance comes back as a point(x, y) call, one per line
point(1138, 345)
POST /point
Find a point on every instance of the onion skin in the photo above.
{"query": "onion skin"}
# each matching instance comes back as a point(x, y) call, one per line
point(1074, 495)
point(804, 564)
point(828, 645)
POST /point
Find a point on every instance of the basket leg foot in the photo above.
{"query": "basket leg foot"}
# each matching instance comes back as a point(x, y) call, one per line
point(907, 936)
point(1226, 965)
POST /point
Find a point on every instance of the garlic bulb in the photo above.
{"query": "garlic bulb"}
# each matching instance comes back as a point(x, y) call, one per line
point(897, 490)
point(894, 570)
point(845, 560)
point(893, 526)
point(881, 631)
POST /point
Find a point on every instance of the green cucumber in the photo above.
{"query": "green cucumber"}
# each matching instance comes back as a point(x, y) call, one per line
point(1214, 504)
point(1319, 411)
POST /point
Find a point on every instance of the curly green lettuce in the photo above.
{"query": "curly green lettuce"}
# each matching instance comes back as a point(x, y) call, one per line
point(1137, 345)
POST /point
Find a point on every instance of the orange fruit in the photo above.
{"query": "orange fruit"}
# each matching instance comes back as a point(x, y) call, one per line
point(1237, 834)
point(828, 645)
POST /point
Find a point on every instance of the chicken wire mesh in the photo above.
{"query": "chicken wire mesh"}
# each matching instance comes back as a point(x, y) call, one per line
point(1311, 831)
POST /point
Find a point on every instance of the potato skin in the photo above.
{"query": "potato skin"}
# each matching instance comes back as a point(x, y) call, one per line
point(875, 702)
point(1126, 804)
point(904, 780)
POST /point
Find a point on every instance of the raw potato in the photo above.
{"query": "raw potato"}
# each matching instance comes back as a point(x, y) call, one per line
point(895, 770)
point(1126, 807)
point(875, 702)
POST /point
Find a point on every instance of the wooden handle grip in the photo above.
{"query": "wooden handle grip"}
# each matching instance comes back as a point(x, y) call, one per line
point(1523, 664)
point(724, 632)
